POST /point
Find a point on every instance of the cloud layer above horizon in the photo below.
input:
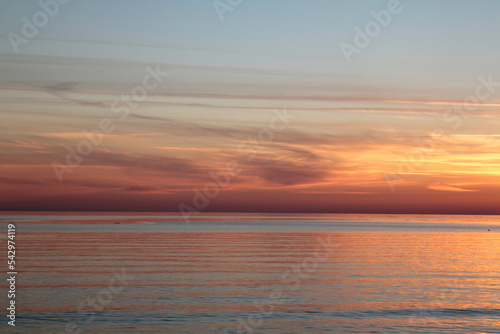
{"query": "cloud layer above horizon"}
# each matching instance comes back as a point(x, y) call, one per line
point(409, 125)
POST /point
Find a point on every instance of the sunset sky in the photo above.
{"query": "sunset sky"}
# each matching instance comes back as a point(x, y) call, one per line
point(386, 131)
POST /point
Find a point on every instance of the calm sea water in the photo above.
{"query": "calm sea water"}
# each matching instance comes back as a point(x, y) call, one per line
point(256, 274)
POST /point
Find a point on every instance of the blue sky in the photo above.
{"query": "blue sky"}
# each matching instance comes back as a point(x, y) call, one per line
point(439, 41)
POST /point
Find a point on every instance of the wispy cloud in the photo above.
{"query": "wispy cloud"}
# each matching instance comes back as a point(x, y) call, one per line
point(448, 187)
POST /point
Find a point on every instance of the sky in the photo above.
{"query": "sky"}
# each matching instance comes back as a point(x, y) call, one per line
point(252, 106)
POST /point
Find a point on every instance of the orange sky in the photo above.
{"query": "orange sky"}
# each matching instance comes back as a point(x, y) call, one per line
point(330, 154)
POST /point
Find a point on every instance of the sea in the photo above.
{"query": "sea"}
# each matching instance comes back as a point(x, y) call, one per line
point(104, 272)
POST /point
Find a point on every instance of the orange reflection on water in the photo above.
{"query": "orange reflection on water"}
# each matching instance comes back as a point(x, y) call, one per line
point(370, 277)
